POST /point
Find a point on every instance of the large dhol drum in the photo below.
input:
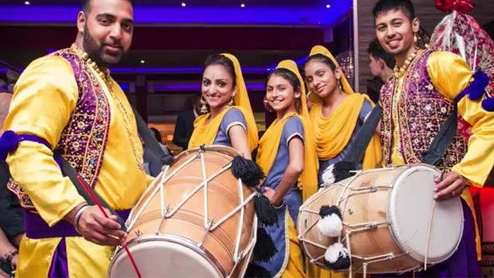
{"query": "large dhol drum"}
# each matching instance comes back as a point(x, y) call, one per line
point(195, 220)
point(391, 222)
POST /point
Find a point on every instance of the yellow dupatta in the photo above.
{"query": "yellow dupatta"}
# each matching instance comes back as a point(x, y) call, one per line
point(333, 133)
point(269, 143)
point(205, 133)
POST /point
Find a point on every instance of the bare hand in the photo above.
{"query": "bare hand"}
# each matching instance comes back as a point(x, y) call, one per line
point(13, 263)
point(95, 227)
point(271, 195)
point(451, 186)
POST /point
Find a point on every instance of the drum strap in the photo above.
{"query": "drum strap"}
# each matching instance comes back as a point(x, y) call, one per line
point(345, 168)
point(150, 142)
point(85, 191)
point(442, 140)
point(357, 149)
point(432, 156)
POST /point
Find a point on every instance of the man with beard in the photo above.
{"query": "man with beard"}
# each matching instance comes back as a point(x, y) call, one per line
point(68, 103)
point(425, 89)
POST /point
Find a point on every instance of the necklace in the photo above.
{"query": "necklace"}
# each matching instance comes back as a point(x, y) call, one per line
point(399, 71)
point(105, 76)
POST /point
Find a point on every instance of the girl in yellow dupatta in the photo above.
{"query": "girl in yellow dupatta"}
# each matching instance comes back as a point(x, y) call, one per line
point(337, 113)
point(230, 121)
point(287, 155)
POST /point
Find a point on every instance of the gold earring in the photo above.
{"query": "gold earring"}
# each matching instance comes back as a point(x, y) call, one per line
point(340, 87)
point(415, 38)
point(267, 106)
point(230, 103)
point(204, 108)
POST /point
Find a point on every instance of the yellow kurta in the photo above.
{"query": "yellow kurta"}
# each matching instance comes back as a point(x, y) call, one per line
point(334, 132)
point(205, 132)
point(293, 265)
point(450, 74)
point(44, 98)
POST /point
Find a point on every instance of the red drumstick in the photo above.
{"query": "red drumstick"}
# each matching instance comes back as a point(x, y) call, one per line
point(89, 191)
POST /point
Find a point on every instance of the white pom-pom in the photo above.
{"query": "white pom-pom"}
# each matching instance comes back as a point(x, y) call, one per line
point(328, 176)
point(335, 251)
point(330, 225)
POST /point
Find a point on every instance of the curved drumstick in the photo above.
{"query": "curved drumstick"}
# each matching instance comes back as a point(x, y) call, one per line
point(90, 193)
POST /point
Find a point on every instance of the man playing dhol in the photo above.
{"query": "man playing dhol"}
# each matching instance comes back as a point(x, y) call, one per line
point(67, 101)
point(416, 101)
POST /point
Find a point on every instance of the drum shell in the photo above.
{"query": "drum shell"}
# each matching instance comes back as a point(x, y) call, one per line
point(187, 223)
point(372, 207)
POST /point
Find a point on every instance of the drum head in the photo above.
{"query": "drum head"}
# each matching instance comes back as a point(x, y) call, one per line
point(156, 257)
point(409, 211)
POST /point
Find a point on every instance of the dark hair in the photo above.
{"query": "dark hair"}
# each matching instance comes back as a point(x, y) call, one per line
point(86, 5)
point(157, 134)
point(405, 6)
point(289, 76)
point(3, 86)
point(375, 50)
point(321, 58)
point(423, 38)
point(218, 59)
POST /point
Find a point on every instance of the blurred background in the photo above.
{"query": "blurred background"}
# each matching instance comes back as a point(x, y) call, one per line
point(173, 38)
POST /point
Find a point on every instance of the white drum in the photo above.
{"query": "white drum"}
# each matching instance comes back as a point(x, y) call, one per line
point(390, 220)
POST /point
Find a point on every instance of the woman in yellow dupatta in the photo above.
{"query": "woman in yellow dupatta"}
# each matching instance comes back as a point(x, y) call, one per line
point(337, 113)
point(230, 121)
point(287, 155)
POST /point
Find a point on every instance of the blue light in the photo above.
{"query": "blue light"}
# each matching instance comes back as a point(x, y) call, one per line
point(146, 15)
point(125, 86)
point(192, 70)
point(197, 87)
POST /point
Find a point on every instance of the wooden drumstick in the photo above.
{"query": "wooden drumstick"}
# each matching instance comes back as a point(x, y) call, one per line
point(430, 228)
point(429, 234)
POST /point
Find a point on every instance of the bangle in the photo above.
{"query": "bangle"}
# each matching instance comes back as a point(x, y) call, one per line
point(280, 206)
point(78, 216)
point(10, 256)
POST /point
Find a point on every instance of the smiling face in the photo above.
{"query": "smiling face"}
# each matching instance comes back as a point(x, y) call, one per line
point(395, 31)
point(217, 86)
point(107, 28)
point(281, 95)
point(320, 78)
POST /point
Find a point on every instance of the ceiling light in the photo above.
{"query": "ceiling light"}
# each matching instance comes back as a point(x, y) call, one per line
point(27, 3)
point(328, 6)
point(242, 5)
point(183, 4)
point(143, 62)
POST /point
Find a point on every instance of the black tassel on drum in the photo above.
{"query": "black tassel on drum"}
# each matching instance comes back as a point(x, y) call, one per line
point(247, 170)
point(264, 210)
point(343, 170)
point(255, 271)
point(264, 248)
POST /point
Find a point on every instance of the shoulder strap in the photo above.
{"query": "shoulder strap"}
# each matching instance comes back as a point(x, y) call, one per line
point(357, 149)
point(442, 140)
point(150, 141)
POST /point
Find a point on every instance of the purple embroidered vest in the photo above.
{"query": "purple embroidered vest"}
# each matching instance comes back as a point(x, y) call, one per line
point(421, 110)
point(83, 140)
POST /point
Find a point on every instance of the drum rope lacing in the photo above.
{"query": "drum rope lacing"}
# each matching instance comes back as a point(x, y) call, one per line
point(209, 225)
point(355, 228)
